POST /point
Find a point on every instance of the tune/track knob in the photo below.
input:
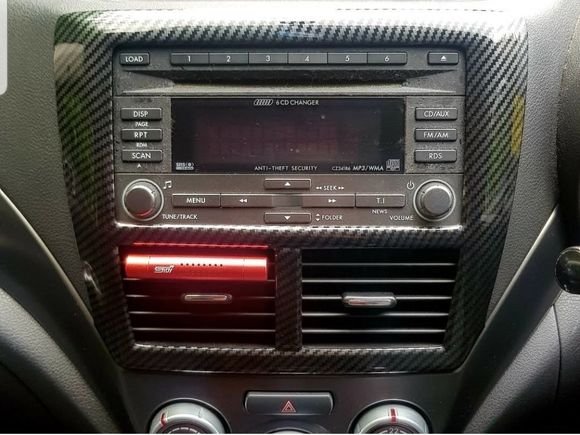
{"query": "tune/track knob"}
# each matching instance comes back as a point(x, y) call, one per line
point(434, 200)
point(143, 200)
point(186, 417)
point(391, 418)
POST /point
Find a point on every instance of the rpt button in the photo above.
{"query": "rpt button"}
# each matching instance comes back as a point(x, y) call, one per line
point(141, 134)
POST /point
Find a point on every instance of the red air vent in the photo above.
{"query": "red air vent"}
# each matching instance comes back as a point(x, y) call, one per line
point(196, 267)
point(205, 296)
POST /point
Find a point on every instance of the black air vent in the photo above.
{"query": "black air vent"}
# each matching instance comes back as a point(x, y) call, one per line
point(420, 281)
point(161, 313)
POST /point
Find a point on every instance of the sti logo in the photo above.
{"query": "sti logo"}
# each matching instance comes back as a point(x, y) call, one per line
point(263, 102)
point(163, 269)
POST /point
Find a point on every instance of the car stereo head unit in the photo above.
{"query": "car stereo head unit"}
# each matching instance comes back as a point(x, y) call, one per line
point(366, 137)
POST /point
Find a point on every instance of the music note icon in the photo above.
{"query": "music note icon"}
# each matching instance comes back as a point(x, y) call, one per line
point(168, 185)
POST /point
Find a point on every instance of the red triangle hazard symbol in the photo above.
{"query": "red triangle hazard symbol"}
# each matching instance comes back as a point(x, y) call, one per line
point(288, 408)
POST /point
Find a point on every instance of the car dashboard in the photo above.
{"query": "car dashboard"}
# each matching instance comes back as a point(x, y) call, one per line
point(295, 217)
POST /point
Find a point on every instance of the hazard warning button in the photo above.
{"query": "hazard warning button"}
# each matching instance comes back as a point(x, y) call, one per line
point(288, 403)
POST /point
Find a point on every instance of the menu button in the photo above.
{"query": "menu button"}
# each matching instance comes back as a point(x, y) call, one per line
point(195, 200)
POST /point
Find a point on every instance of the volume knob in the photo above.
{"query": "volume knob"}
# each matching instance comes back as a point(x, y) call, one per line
point(434, 200)
point(143, 200)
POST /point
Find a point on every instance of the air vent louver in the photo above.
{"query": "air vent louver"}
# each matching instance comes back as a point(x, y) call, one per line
point(177, 312)
point(421, 282)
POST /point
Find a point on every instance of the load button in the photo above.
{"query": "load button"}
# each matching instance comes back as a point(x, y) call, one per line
point(291, 403)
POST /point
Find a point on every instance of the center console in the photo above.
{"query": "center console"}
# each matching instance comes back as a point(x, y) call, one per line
point(290, 209)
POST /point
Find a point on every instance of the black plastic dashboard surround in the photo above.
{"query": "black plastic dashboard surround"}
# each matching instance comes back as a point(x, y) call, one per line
point(495, 49)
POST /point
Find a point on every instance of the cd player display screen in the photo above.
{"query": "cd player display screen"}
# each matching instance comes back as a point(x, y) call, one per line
point(270, 135)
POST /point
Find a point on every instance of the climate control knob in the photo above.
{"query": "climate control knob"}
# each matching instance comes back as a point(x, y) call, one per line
point(391, 418)
point(434, 200)
point(142, 200)
point(186, 417)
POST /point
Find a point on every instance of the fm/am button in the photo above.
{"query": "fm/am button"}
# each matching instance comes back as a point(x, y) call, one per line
point(435, 134)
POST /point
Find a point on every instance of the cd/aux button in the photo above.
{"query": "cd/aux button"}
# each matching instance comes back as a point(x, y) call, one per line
point(239, 200)
point(436, 114)
point(195, 200)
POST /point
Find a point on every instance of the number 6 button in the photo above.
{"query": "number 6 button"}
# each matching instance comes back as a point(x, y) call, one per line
point(387, 58)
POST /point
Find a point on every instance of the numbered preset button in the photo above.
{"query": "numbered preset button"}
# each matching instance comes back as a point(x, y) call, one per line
point(308, 58)
point(189, 58)
point(387, 58)
point(268, 58)
point(346, 58)
point(228, 58)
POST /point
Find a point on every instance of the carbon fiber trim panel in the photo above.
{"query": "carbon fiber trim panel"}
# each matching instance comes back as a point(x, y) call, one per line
point(496, 54)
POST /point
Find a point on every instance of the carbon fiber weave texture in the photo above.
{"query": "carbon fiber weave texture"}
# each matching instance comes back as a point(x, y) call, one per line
point(496, 54)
